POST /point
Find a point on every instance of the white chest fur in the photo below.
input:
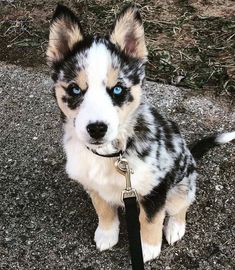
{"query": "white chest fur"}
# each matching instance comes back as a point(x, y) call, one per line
point(99, 173)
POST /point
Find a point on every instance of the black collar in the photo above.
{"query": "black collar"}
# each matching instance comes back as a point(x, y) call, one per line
point(115, 154)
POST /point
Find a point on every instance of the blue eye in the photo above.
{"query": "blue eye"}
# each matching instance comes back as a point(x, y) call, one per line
point(117, 90)
point(74, 90)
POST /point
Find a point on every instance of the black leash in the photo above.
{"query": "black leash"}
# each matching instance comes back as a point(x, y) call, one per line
point(130, 199)
point(133, 229)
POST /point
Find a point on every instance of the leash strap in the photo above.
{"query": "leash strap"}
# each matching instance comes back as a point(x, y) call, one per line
point(133, 229)
point(129, 197)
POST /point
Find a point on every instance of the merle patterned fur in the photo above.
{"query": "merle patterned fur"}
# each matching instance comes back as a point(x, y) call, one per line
point(151, 128)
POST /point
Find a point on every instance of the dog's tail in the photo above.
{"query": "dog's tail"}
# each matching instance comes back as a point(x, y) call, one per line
point(201, 147)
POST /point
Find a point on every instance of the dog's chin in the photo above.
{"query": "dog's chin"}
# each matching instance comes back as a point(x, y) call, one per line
point(103, 147)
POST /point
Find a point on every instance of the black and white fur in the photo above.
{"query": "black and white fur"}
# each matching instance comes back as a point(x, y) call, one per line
point(164, 170)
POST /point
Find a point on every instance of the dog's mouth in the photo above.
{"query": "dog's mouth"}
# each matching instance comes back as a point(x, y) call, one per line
point(97, 143)
point(104, 147)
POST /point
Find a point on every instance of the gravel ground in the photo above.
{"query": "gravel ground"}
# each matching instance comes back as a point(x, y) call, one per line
point(47, 221)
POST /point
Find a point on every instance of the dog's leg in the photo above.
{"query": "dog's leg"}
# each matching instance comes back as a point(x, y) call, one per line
point(106, 234)
point(177, 203)
point(151, 234)
point(174, 228)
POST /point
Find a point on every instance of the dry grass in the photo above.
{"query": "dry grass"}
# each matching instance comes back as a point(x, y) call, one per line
point(191, 43)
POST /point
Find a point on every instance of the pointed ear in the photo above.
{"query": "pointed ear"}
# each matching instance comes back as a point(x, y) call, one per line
point(65, 32)
point(128, 33)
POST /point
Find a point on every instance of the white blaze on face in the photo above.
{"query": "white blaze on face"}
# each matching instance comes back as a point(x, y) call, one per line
point(98, 62)
point(97, 105)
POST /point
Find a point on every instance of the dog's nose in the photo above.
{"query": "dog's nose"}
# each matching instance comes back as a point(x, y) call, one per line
point(97, 130)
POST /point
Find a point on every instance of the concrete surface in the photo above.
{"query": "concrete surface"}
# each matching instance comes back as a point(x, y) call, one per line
point(47, 221)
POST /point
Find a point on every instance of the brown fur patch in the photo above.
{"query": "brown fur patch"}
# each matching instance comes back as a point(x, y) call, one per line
point(81, 79)
point(60, 93)
point(151, 232)
point(180, 217)
point(128, 33)
point(64, 34)
point(177, 201)
point(112, 77)
point(106, 213)
point(126, 110)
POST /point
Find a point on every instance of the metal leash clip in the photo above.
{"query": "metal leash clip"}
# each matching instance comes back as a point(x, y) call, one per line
point(123, 168)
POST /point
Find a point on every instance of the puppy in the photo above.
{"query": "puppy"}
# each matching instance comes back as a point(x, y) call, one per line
point(97, 84)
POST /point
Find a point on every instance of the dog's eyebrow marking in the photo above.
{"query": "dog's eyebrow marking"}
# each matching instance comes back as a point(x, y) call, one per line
point(112, 77)
point(81, 79)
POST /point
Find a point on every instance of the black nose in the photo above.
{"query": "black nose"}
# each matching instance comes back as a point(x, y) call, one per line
point(97, 130)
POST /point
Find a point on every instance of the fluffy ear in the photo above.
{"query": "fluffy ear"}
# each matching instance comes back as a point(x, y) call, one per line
point(65, 32)
point(128, 33)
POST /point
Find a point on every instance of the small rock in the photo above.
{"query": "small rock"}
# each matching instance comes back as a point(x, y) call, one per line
point(219, 187)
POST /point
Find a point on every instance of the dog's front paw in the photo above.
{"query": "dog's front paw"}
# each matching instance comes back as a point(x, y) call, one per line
point(150, 252)
point(173, 230)
point(106, 239)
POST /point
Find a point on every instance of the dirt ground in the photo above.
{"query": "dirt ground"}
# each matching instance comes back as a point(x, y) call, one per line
point(191, 43)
